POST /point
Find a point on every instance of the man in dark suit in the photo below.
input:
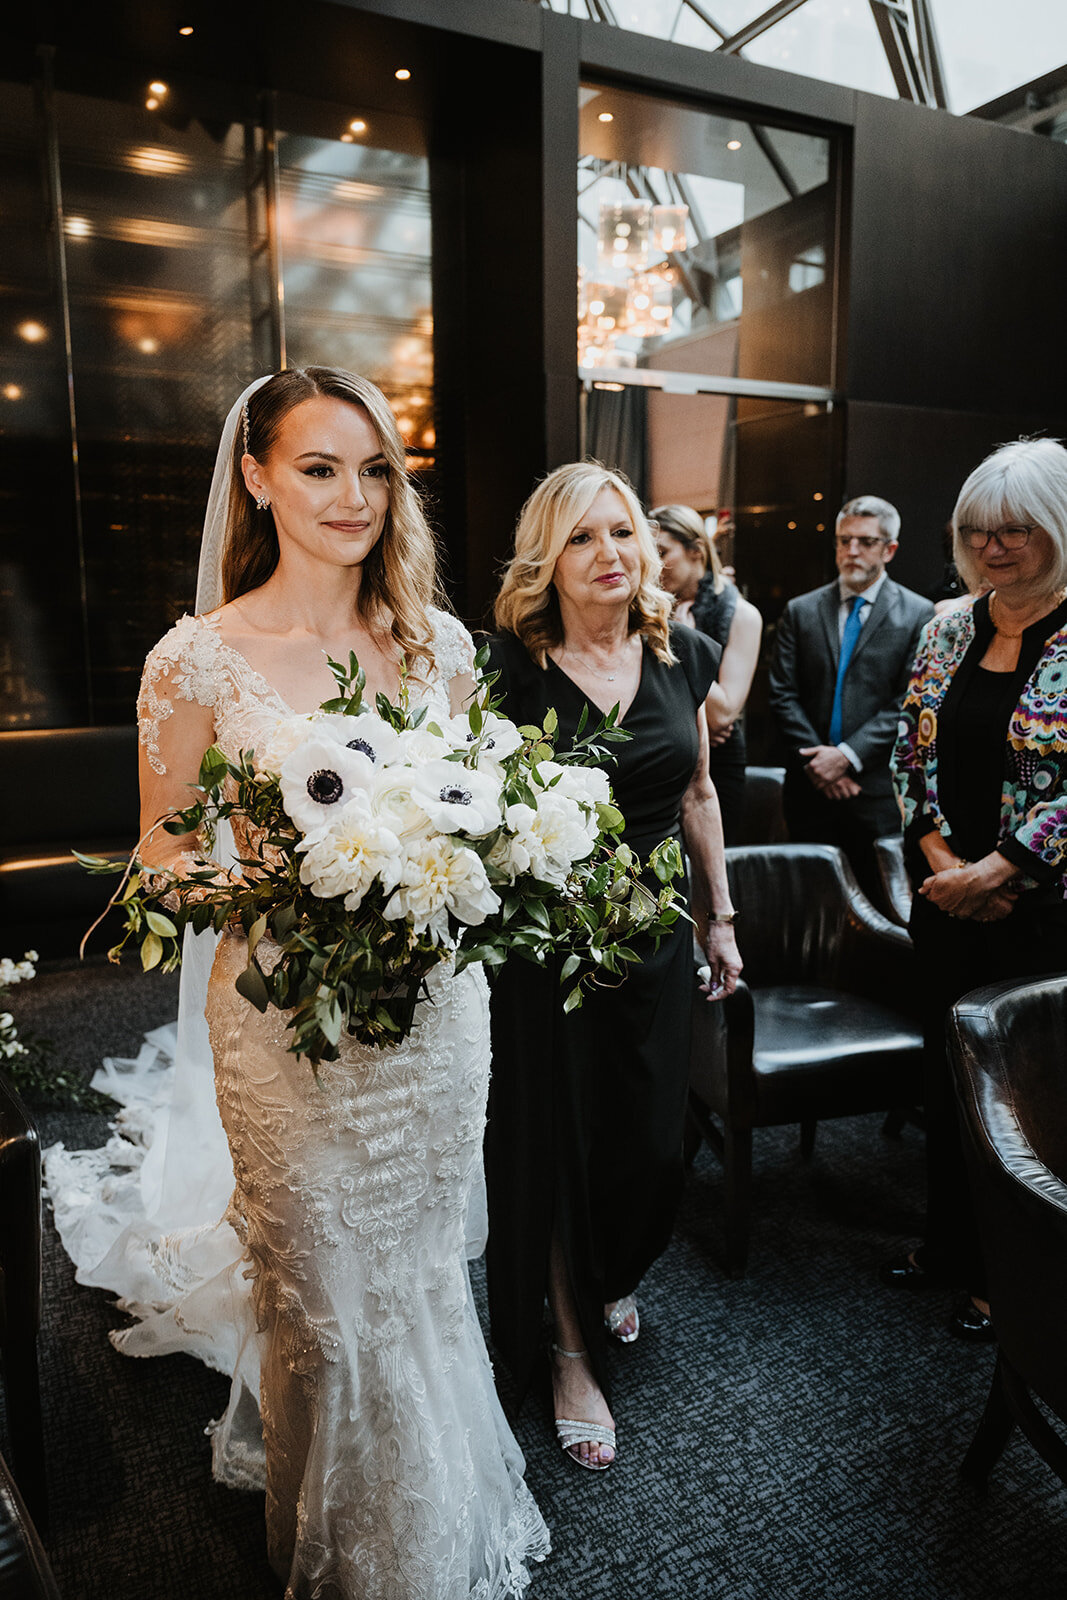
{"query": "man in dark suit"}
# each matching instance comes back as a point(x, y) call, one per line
point(841, 666)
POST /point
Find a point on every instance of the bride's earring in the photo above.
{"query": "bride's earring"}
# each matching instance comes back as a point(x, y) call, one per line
point(262, 502)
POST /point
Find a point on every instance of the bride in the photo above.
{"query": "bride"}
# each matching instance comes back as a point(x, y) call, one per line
point(389, 1468)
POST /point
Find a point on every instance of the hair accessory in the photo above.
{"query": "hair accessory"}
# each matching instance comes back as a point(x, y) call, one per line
point(244, 425)
point(262, 502)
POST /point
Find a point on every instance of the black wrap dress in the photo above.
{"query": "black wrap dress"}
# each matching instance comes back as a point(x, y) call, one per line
point(586, 1111)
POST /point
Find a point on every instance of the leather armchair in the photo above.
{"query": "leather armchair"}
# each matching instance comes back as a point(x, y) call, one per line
point(25, 1573)
point(809, 1034)
point(1007, 1043)
point(20, 1295)
point(763, 821)
point(896, 885)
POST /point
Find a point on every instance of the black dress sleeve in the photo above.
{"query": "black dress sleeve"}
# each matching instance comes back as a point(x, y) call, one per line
point(698, 657)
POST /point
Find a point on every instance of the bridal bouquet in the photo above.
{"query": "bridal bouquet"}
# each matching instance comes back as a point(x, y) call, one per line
point(380, 843)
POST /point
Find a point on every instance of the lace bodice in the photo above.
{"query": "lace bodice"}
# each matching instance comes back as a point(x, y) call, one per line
point(193, 662)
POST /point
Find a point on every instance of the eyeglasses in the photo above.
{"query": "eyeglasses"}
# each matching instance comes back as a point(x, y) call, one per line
point(866, 541)
point(1012, 536)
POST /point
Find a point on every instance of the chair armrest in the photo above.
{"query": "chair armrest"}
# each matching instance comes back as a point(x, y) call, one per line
point(720, 1062)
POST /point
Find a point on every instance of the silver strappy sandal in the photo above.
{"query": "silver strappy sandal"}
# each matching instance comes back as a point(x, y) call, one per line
point(570, 1432)
point(624, 1308)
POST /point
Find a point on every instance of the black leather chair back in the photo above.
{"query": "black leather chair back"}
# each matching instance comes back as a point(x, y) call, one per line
point(804, 920)
point(1009, 1046)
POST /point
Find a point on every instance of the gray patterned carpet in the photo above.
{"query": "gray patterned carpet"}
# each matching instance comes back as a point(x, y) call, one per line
point(795, 1434)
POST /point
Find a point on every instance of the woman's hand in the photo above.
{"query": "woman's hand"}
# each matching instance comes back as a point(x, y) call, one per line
point(724, 960)
point(979, 890)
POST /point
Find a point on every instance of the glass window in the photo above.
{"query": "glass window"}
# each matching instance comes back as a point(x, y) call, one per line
point(706, 242)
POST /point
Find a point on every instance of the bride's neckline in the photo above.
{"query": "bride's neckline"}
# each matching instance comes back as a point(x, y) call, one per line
point(212, 621)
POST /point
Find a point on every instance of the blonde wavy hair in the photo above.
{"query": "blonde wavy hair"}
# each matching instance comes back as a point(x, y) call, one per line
point(400, 580)
point(527, 604)
point(688, 528)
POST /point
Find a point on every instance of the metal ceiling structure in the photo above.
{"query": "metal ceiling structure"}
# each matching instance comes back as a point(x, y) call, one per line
point(907, 33)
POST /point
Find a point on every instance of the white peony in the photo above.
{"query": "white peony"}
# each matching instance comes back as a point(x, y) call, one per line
point(350, 854)
point(587, 785)
point(438, 878)
point(319, 777)
point(554, 836)
point(457, 799)
point(499, 737)
point(392, 800)
point(367, 733)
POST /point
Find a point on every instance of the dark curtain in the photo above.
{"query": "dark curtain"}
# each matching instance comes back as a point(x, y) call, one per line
point(616, 433)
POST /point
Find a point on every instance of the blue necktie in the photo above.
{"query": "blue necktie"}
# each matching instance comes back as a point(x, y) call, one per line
point(848, 644)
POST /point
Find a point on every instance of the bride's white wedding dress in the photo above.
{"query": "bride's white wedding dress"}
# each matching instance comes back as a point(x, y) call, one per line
point(335, 1290)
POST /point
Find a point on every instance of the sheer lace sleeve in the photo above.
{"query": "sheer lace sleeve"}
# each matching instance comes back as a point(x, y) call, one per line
point(186, 664)
point(453, 647)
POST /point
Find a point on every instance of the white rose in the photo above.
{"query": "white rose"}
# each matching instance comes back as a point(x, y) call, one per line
point(457, 799)
point(391, 800)
point(284, 738)
point(587, 785)
point(417, 746)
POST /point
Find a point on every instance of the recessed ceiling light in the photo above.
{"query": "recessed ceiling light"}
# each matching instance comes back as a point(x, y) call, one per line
point(157, 88)
point(32, 332)
point(402, 73)
point(733, 144)
point(12, 391)
point(185, 32)
point(151, 104)
point(348, 138)
point(605, 116)
point(358, 125)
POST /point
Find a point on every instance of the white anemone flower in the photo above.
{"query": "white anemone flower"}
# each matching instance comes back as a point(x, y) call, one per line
point(351, 854)
point(367, 733)
point(457, 799)
point(499, 737)
point(438, 878)
point(318, 778)
point(553, 837)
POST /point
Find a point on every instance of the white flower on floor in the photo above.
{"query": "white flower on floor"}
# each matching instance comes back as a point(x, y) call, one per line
point(367, 733)
point(457, 799)
point(350, 853)
point(439, 877)
point(319, 777)
point(499, 737)
point(551, 839)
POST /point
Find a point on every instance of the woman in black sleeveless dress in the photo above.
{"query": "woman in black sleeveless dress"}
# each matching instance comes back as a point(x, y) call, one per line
point(583, 1148)
point(706, 600)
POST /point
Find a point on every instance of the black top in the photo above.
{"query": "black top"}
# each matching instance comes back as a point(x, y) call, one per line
point(651, 772)
point(714, 615)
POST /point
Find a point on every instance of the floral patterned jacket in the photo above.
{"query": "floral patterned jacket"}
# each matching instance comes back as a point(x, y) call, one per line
point(1033, 810)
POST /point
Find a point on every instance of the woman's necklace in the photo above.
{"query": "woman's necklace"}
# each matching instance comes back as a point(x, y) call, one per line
point(1042, 611)
point(598, 672)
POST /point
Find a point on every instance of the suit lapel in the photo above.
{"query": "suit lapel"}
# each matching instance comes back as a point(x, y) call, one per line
point(829, 604)
point(880, 610)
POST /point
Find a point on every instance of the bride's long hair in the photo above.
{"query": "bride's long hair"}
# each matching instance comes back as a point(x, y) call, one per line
point(400, 579)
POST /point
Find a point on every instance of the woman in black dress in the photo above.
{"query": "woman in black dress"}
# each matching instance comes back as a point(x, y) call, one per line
point(584, 1143)
point(705, 599)
point(981, 770)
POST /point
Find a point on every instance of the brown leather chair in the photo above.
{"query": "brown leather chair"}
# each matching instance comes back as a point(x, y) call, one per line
point(810, 1033)
point(1008, 1043)
point(763, 819)
point(20, 1295)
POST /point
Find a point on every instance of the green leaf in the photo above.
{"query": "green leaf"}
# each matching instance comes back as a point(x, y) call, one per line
point(151, 952)
point(570, 967)
point(161, 924)
point(573, 1000)
point(609, 817)
point(251, 985)
point(530, 734)
point(474, 717)
point(551, 720)
point(255, 934)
